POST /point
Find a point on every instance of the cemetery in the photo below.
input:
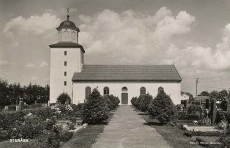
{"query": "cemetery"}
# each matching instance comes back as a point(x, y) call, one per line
point(202, 121)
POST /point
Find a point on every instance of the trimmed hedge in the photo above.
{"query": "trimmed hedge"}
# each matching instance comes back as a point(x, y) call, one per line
point(202, 133)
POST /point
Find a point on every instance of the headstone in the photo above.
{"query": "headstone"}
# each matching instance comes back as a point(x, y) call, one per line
point(35, 102)
point(214, 112)
point(17, 108)
point(207, 104)
point(48, 103)
point(20, 105)
point(6, 107)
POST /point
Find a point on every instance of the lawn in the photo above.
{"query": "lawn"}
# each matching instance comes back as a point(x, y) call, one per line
point(86, 137)
point(172, 134)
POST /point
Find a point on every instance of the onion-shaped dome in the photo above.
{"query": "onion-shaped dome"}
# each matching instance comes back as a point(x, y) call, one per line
point(68, 25)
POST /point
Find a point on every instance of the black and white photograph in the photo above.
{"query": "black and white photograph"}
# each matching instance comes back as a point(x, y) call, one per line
point(114, 73)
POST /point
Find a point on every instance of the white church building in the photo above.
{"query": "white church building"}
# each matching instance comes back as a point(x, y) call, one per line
point(69, 74)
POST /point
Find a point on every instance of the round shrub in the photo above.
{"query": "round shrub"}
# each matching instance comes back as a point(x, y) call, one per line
point(138, 103)
point(115, 101)
point(65, 136)
point(162, 108)
point(145, 101)
point(109, 103)
point(95, 109)
point(133, 100)
point(62, 98)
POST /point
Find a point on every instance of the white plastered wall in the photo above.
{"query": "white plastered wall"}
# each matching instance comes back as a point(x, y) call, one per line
point(115, 88)
point(57, 69)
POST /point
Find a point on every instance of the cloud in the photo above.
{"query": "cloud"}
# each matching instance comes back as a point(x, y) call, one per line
point(129, 37)
point(34, 24)
point(3, 62)
point(43, 64)
point(34, 78)
point(203, 58)
point(29, 65)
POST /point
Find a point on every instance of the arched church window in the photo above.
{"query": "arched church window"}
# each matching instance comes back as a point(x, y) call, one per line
point(142, 91)
point(124, 89)
point(106, 91)
point(87, 92)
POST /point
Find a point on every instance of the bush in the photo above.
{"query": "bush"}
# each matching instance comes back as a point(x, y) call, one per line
point(133, 100)
point(162, 108)
point(115, 101)
point(62, 98)
point(41, 112)
point(65, 136)
point(220, 115)
point(145, 101)
point(189, 117)
point(77, 109)
point(32, 106)
point(138, 103)
point(7, 119)
point(95, 109)
point(194, 109)
point(29, 129)
point(109, 103)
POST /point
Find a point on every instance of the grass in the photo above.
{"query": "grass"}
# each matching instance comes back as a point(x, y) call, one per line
point(172, 134)
point(86, 137)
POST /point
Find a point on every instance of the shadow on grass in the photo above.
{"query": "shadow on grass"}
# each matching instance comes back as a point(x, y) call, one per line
point(155, 123)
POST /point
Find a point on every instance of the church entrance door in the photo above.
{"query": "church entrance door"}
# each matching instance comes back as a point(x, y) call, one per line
point(124, 98)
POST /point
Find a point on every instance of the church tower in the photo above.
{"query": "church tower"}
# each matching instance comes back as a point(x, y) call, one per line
point(66, 58)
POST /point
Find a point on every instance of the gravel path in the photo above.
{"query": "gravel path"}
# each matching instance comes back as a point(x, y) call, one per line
point(126, 129)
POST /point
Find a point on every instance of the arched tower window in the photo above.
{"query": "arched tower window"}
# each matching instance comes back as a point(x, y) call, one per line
point(87, 92)
point(106, 91)
point(142, 91)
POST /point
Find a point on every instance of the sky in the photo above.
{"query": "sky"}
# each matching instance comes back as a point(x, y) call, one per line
point(191, 34)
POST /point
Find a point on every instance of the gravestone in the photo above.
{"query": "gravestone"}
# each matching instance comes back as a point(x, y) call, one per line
point(48, 103)
point(214, 112)
point(6, 107)
point(17, 108)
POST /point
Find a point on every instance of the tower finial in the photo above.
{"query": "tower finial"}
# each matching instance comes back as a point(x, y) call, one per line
point(67, 14)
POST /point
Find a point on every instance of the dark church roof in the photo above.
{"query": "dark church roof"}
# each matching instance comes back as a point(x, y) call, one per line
point(67, 45)
point(128, 73)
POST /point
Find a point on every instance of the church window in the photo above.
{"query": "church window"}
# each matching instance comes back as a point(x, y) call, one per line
point(106, 91)
point(87, 92)
point(65, 63)
point(65, 73)
point(65, 83)
point(143, 91)
point(65, 52)
point(124, 89)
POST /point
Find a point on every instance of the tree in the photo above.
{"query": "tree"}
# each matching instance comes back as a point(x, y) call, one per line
point(204, 93)
point(63, 97)
point(190, 96)
point(213, 95)
point(96, 109)
point(162, 108)
point(223, 95)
